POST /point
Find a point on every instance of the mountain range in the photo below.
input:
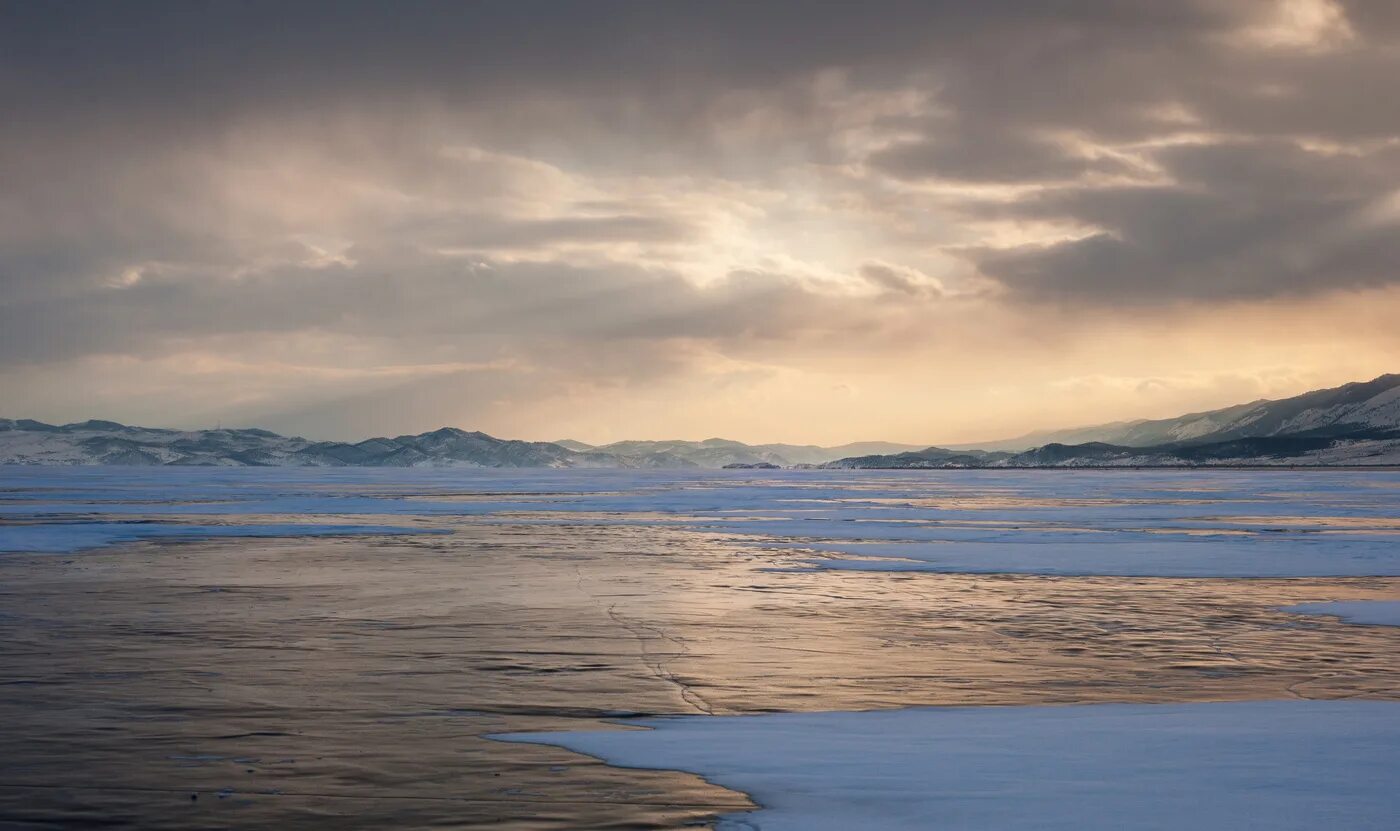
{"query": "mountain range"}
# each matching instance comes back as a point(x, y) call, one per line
point(723, 452)
point(1354, 424)
point(25, 441)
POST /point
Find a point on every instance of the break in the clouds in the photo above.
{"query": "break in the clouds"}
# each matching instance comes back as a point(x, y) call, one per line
point(915, 221)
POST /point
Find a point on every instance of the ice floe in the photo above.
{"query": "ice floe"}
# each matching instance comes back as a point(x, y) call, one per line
point(1277, 765)
point(1364, 612)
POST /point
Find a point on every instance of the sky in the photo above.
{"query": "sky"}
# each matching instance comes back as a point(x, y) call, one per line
point(808, 222)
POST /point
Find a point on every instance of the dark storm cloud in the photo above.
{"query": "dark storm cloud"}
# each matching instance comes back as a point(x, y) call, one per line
point(213, 52)
point(161, 160)
point(637, 72)
point(1242, 219)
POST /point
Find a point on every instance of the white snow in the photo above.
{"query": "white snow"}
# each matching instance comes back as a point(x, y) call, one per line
point(1364, 612)
point(1380, 411)
point(1276, 765)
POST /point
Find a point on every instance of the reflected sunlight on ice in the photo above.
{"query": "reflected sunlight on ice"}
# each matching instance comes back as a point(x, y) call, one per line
point(1115, 523)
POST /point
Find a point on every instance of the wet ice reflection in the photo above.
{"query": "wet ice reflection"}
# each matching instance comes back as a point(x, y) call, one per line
point(349, 680)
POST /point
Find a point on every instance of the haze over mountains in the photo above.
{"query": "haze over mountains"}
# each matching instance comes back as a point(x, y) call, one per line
point(721, 452)
point(1357, 423)
point(108, 443)
point(1339, 409)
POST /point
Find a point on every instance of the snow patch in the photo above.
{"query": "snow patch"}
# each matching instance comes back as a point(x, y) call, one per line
point(1280, 765)
point(1363, 612)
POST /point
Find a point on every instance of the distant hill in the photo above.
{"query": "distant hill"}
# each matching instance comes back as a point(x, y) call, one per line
point(718, 453)
point(1356, 423)
point(108, 443)
point(25, 441)
point(1365, 405)
point(1352, 424)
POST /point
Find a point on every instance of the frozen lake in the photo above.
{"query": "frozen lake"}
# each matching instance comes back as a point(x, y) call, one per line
point(332, 648)
point(1115, 523)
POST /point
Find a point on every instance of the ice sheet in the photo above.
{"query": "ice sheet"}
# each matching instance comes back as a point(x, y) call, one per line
point(1212, 557)
point(58, 538)
point(1280, 765)
point(1129, 523)
point(1364, 612)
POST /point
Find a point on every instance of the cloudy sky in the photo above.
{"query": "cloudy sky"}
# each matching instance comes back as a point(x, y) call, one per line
point(924, 221)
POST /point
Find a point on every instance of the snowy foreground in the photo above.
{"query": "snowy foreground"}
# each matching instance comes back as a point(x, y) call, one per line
point(1274, 765)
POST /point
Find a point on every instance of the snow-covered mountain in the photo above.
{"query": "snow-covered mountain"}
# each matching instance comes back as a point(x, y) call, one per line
point(1344, 410)
point(1354, 424)
point(25, 441)
point(723, 452)
point(108, 443)
point(1262, 451)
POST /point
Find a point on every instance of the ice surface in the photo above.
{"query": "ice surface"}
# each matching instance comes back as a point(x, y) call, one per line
point(1195, 558)
point(1129, 523)
point(57, 538)
point(1277, 765)
point(1365, 612)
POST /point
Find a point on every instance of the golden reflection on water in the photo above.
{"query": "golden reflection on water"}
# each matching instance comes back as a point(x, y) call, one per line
point(347, 682)
point(989, 502)
point(1330, 523)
